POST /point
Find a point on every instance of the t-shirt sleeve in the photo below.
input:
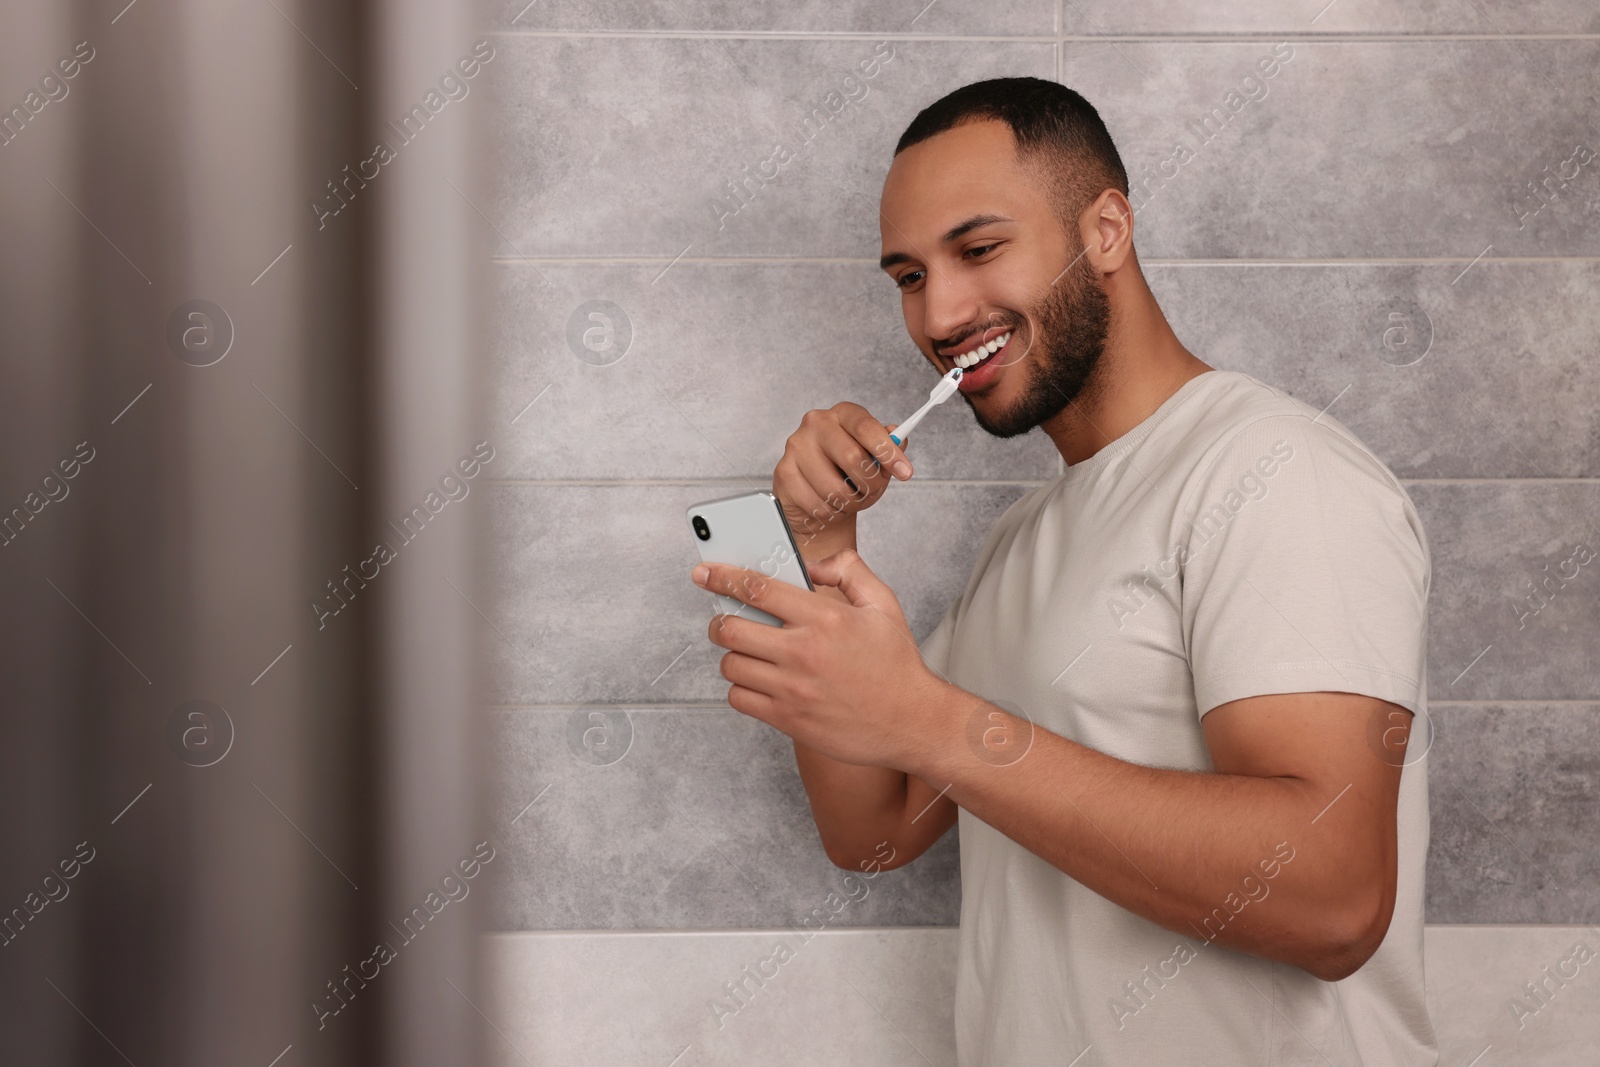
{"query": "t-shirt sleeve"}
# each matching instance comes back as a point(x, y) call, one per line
point(1306, 570)
point(935, 648)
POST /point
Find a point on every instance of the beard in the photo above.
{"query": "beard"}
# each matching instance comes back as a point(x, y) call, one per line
point(1072, 319)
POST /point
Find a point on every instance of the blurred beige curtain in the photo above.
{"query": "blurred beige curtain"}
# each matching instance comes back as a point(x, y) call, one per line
point(218, 798)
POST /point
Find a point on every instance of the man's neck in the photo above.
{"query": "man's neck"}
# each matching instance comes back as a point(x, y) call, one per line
point(1139, 370)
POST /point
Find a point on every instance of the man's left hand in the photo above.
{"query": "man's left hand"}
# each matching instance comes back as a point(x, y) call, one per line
point(844, 678)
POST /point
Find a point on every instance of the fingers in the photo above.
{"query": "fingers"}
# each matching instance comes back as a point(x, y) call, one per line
point(847, 453)
point(754, 674)
point(838, 462)
point(746, 635)
point(826, 480)
point(756, 705)
point(847, 571)
point(773, 596)
point(805, 511)
point(875, 439)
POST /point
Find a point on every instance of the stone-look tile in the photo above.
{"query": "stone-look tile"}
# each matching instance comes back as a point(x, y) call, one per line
point(670, 818)
point(615, 999)
point(1441, 383)
point(1178, 17)
point(1476, 973)
point(878, 997)
point(722, 361)
point(1003, 17)
point(1431, 391)
point(1491, 541)
point(1514, 794)
point(622, 147)
point(596, 604)
point(1354, 148)
point(703, 822)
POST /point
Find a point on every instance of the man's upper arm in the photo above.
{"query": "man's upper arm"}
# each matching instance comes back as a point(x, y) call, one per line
point(1304, 613)
point(1323, 739)
point(1349, 795)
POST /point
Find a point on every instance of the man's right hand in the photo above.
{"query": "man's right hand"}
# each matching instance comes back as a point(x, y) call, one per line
point(831, 445)
point(860, 812)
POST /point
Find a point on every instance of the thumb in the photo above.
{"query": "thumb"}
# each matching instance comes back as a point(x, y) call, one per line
point(849, 573)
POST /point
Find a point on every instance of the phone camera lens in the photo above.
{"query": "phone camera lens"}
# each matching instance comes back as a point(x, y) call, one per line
point(701, 530)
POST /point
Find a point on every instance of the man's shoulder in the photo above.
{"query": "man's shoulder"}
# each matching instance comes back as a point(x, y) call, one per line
point(1241, 413)
point(1258, 440)
point(1235, 400)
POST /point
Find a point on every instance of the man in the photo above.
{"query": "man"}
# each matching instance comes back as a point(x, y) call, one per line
point(1170, 710)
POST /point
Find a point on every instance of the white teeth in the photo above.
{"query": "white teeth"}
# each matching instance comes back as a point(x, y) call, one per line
point(968, 359)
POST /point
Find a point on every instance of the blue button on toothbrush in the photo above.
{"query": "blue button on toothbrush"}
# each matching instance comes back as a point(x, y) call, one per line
point(942, 391)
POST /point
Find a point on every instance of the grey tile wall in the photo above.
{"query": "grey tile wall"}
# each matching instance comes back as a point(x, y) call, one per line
point(722, 361)
point(596, 602)
point(818, 17)
point(1358, 230)
point(1351, 150)
point(724, 357)
point(878, 997)
point(692, 818)
point(1487, 17)
point(1515, 798)
point(624, 148)
point(855, 982)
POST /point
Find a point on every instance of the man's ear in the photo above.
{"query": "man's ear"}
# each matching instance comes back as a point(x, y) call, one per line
point(1107, 231)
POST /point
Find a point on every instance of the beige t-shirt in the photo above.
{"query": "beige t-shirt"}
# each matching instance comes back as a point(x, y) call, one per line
point(1235, 543)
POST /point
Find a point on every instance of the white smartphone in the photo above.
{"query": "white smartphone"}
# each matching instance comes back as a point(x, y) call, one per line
point(750, 531)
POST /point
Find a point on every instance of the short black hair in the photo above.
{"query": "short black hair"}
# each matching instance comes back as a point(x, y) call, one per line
point(1056, 127)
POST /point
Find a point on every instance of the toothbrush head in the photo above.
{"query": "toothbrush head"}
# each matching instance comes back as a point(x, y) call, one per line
point(946, 386)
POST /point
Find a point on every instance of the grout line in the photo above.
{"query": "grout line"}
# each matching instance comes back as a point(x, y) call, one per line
point(1518, 700)
point(1213, 37)
point(791, 35)
point(732, 261)
point(648, 706)
point(1510, 926)
point(748, 931)
point(1576, 480)
point(645, 707)
point(608, 483)
point(1061, 28)
point(1336, 37)
point(729, 931)
point(713, 482)
point(652, 261)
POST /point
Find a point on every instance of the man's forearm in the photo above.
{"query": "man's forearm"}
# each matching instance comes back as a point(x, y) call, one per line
point(855, 807)
point(1256, 864)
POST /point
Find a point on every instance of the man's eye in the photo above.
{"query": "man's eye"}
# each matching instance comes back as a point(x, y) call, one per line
point(910, 277)
point(982, 250)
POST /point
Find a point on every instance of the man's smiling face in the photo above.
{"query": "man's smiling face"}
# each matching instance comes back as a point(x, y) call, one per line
point(972, 239)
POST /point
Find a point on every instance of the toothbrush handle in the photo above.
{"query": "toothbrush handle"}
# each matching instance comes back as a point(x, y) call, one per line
point(940, 394)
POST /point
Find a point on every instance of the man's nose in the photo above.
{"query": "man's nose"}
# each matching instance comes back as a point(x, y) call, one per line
point(950, 308)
